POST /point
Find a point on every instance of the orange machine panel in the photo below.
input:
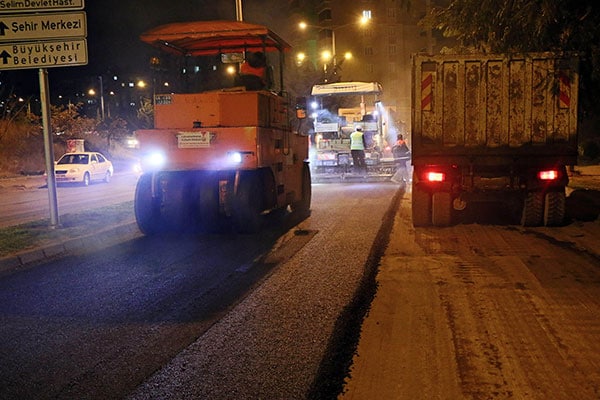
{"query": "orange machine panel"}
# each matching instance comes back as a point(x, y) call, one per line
point(219, 109)
point(181, 111)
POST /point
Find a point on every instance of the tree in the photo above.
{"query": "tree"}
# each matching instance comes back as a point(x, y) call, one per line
point(531, 26)
point(67, 122)
point(521, 25)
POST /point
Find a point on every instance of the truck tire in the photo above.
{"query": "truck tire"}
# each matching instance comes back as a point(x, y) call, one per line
point(147, 213)
point(533, 209)
point(441, 209)
point(554, 208)
point(302, 206)
point(247, 204)
point(421, 207)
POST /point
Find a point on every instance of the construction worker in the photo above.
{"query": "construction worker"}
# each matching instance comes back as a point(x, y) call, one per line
point(400, 148)
point(253, 72)
point(357, 149)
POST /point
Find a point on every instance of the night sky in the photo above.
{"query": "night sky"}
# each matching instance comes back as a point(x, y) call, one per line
point(114, 27)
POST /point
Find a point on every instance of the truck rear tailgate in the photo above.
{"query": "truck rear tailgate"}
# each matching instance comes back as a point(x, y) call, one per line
point(494, 108)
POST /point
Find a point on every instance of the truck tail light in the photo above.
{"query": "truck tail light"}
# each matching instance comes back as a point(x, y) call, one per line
point(549, 175)
point(433, 176)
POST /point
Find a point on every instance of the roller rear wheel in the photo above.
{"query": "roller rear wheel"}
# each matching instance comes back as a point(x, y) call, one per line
point(303, 205)
point(247, 205)
point(147, 212)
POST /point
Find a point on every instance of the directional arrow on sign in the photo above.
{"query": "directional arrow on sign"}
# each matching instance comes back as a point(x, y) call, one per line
point(4, 56)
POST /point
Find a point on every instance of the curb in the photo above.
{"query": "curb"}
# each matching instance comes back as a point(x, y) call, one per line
point(97, 241)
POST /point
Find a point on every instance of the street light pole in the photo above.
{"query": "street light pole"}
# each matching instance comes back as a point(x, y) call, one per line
point(333, 48)
point(101, 97)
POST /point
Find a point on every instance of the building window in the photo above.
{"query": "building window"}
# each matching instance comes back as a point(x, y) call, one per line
point(392, 34)
point(366, 14)
point(368, 51)
point(393, 67)
point(370, 68)
point(392, 50)
point(391, 13)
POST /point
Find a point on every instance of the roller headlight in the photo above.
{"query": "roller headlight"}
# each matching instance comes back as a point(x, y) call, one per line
point(154, 160)
point(234, 157)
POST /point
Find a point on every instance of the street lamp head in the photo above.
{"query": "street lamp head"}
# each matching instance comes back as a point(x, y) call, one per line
point(302, 25)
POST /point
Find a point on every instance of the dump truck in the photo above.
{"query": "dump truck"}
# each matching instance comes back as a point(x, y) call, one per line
point(493, 128)
point(330, 155)
point(222, 158)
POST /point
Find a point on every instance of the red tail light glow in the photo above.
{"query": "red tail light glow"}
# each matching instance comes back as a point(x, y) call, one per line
point(436, 176)
point(549, 175)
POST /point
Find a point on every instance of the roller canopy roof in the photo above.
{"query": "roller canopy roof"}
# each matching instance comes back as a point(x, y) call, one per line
point(213, 37)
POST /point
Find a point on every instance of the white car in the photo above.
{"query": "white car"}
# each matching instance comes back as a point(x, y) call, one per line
point(83, 167)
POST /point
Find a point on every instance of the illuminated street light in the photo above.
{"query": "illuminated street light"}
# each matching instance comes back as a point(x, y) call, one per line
point(364, 20)
point(300, 57)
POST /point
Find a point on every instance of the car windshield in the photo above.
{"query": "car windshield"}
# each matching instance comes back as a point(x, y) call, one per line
point(74, 159)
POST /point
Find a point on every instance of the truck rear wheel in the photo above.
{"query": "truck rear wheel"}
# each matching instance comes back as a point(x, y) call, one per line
point(554, 208)
point(147, 213)
point(533, 209)
point(421, 207)
point(441, 209)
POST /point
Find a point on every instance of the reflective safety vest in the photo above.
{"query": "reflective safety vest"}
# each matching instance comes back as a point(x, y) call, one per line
point(357, 141)
point(247, 69)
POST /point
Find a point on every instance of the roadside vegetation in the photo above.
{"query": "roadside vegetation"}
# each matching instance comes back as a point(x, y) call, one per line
point(16, 239)
point(22, 139)
point(517, 26)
